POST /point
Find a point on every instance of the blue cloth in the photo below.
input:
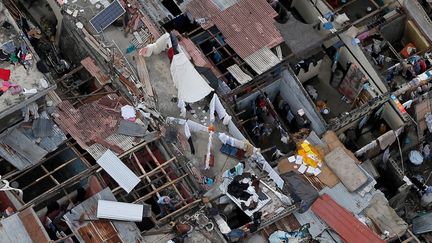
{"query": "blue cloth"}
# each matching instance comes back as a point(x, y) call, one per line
point(130, 49)
point(217, 57)
point(328, 25)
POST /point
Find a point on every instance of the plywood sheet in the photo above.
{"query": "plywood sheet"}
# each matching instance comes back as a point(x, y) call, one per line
point(89, 234)
point(346, 169)
point(333, 142)
point(328, 177)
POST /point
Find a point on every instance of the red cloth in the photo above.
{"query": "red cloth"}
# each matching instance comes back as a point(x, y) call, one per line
point(170, 54)
point(422, 64)
point(5, 74)
point(262, 103)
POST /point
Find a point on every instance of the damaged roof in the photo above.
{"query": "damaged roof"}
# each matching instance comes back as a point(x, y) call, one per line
point(247, 26)
point(21, 146)
point(24, 226)
point(90, 122)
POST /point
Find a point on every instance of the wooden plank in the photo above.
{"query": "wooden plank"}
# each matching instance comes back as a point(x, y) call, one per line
point(144, 173)
point(328, 177)
point(89, 234)
point(150, 173)
point(143, 75)
point(130, 85)
point(105, 229)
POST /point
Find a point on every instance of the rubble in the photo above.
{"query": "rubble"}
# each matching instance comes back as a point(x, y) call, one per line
point(215, 121)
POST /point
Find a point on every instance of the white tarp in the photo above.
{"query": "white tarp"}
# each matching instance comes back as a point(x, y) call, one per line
point(161, 44)
point(189, 83)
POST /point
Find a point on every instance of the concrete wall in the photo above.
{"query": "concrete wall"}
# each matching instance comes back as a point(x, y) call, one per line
point(59, 16)
point(294, 94)
point(364, 63)
point(391, 116)
point(308, 11)
point(246, 101)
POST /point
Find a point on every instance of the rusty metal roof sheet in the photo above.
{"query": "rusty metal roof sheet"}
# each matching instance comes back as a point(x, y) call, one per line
point(247, 25)
point(89, 64)
point(107, 231)
point(343, 222)
point(90, 122)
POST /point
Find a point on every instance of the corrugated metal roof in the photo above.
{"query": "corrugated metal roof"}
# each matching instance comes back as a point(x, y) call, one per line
point(33, 226)
point(118, 171)
point(89, 64)
point(119, 211)
point(122, 141)
point(49, 144)
point(343, 222)
point(122, 231)
point(105, 117)
point(151, 27)
point(224, 4)
point(247, 25)
point(238, 74)
point(199, 59)
point(23, 227)
point(262, 60)
point(353, 202)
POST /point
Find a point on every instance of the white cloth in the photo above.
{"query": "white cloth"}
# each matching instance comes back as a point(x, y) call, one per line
point(209, 146)
point(212, 107)
point(216, 105)
point(196, 127)
point(182, 105)
point(161, 44)
point(127, 112)
point(219, 108)
point(186, 130)
point(190, 84)
point(227, 119)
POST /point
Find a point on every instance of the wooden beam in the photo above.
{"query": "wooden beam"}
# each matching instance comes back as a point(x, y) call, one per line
point(178, 211)
point(147, 196)
point(9, 177)
point(144, 173)
point(85, 173)
point(69, 74)
point(150, 173)
point(166, 175)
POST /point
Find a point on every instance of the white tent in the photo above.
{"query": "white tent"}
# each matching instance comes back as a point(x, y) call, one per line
point(189, 83)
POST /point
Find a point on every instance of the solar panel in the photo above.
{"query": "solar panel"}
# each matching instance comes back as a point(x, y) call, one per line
point(107, 16)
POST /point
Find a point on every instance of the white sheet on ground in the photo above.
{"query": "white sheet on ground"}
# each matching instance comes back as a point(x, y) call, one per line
point(189, 83)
